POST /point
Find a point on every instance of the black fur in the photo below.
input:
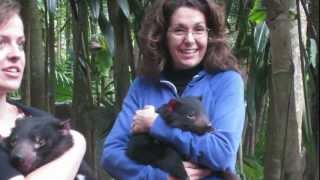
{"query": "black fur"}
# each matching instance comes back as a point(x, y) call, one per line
point(185, 113)
point(35, 141)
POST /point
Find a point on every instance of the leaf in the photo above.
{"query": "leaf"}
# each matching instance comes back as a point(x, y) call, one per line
point(109, 36)
point(261, 37)
point(108, 32)
point(52, 6)
point(124, 5)
point(258, 16)
point(253, 169)
point(258, 13)
point(313, 50)
point(103, 57)
point(95, 7)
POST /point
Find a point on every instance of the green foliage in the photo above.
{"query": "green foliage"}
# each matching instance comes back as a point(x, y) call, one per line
point(14, 95)
point(102, 61)
point(64, 78)
point(253, 169)
point(63, 93)
point(261, 144)
point(258, 13)
point(108, 32)
point(310, 89)
point(103, 57)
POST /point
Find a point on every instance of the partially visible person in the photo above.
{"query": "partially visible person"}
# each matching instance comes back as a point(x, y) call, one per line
point(12, 62)
point(184, 53)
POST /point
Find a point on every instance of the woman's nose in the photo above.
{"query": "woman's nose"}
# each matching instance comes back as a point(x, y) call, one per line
point(189, 37)
point(14, 53)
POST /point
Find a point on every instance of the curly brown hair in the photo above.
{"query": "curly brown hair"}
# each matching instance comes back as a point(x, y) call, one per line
point(7, 9)
point(153, 43)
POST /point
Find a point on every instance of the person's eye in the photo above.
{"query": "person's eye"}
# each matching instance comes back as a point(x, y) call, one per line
point(2, 44)
point(200, 30)
point(179, 31)
point(21, 45)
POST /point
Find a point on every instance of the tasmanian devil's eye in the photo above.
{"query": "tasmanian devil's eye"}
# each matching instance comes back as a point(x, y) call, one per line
point(39, 142)
point(13, 141)
point(190, 115)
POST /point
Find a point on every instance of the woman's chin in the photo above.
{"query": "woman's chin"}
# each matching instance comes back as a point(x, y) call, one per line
point(9, 87)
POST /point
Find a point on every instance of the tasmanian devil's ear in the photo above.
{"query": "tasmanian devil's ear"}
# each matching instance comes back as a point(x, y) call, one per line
point(64, 126)
point(172, 104)
point(19, 121)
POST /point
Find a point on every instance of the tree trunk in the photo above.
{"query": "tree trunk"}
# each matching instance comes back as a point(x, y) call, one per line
point(314, 6)
point(25, 86)
point(35, 55)
point(123, 51)
point(52, 64)
point(284, 158)
point(82, 98)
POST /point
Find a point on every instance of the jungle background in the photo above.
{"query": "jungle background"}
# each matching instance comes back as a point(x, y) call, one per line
point(82, 56)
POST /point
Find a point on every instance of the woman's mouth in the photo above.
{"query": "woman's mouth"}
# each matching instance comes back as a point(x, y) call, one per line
point(187, 53)
point(12, 72)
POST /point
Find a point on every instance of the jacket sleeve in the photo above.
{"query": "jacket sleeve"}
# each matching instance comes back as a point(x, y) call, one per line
point(216, 150)
point(114, 159)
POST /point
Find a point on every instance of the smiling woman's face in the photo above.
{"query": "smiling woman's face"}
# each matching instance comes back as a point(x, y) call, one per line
point(12, 55)
point(187, 37)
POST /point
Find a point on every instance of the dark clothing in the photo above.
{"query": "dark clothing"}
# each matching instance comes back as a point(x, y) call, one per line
point(180, 78)
point(6, 169)
point(30, 111)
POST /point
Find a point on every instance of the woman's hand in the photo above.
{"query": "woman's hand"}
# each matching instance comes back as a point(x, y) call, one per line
point(19, 177)
point(143, 119)
point(194, 171)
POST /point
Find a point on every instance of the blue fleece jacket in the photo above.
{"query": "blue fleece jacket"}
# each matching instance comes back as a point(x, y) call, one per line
point(223, 98)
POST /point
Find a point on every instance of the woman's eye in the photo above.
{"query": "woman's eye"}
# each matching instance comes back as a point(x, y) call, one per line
point(179, 31)
point(2, 44)
point(199, 30)
point(21, 45)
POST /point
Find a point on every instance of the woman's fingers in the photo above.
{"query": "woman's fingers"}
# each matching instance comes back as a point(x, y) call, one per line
point(194, 171)
point(188, 164)
point(143, 119)
point(149, 107)
point(198, 173)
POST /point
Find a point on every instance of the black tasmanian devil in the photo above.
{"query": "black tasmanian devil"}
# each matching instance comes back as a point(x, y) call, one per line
point(35, 141)
point(186, 113)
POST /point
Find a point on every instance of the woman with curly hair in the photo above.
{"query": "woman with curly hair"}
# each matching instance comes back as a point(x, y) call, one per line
point(184, 53)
